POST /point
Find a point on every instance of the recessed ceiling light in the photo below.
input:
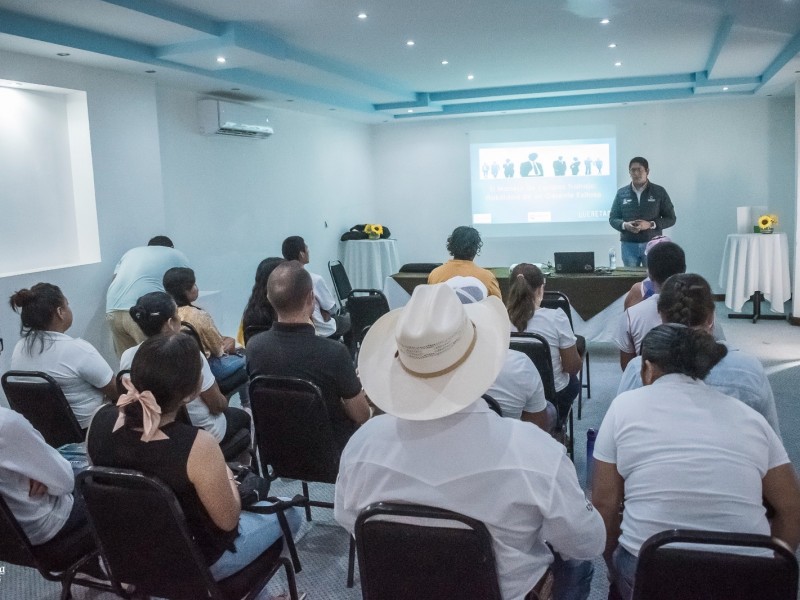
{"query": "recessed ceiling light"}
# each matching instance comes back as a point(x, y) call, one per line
point(470, 77)
point(605, 22)
point(617, 64)
point(725, 89)
point(612, 45)
point(410, 110)
point(290, 99)
point(445, 62)
point(62, 54)
point(362, 15)
point(221, 59)
point(331, 109)
point(235, 89)
point(410, 43)
point(150, 71)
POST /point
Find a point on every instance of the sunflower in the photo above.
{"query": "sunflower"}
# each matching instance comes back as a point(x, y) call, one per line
point(375, 229)
point(764, 221)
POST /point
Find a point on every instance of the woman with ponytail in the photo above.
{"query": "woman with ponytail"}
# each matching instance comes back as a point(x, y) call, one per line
point(141, 433)
point(524, 304)
point(684, 456)
point(81, 373)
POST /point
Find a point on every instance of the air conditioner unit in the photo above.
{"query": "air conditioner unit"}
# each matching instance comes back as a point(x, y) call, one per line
point(218, 117)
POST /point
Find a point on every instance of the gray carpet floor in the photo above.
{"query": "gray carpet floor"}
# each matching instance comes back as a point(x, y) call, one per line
point(322, 544)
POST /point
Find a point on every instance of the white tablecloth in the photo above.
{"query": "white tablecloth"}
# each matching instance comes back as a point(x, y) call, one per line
point(369, 262)
point(756, 262)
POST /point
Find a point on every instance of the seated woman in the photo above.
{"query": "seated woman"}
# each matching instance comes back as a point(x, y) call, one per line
point(687, 299)
point(82, 374)
point(141, 433)
point(180, 283)
point(683, 455)
point(524, 304)
point(259, 312)
point(156, 313)
point(642, 290)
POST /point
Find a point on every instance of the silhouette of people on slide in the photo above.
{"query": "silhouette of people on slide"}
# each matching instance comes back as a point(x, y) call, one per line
point(587, 164)
point(598, 163)
point(508, 168)
point(531, 168)
point(576, 165)
point(559, 166)
point(495, 169)
point(485, 169)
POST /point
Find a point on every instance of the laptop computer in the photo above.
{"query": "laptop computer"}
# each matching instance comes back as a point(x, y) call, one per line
point(574, 262)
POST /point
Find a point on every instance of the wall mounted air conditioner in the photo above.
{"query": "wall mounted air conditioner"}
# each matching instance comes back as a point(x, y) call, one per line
point(218, 117)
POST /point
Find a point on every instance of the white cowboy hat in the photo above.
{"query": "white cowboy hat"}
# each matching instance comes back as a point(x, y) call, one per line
point(435, 356)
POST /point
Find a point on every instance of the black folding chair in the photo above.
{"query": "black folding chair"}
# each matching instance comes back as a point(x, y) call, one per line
point(145, 541)
point(560, 300)
point(365, 306)
point(535, 347)
point(493, 404)
point(57, 560)
point(450, 556)
point(38, 398)
point(667, 572)
point(294, 437)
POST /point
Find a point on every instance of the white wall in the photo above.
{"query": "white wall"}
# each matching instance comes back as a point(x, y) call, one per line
point(711, 156)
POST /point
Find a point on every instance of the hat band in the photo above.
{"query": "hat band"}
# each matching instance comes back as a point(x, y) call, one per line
point(446, 370)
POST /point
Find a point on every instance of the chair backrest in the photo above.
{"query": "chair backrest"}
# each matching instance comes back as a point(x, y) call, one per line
point(15, 547)
point(666, 572)
point(558, 300)
point(141, 531)
point(341, 282)
point(293, 430)
point(365, 307)
point(538, 350)
point(493, 404)
point(450, 556)
point(37, 397)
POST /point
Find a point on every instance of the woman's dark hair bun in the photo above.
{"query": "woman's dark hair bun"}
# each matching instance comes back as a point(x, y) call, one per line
point(22, 297)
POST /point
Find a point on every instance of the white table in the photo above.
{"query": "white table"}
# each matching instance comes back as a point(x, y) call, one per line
point(756, 264)
point(369, 262)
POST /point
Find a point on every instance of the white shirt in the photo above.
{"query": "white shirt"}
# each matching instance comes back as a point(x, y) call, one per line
point(508, 474)
point(76, 366)
point(323, 300)
point(635, 323)
point(691, 458)
point(140, 271)
point(553, 325)
point(518, 386)
point(198, 411)
point(24, 455)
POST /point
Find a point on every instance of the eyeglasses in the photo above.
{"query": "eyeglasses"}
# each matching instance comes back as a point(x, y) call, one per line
point(636, 169)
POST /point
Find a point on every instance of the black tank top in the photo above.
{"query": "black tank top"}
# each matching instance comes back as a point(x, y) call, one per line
point(165, 459)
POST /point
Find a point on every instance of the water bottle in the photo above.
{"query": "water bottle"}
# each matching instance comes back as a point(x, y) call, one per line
point(591, 435)
point(612, 259)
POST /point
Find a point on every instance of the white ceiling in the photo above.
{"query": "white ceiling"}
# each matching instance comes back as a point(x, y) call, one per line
point(524, 54)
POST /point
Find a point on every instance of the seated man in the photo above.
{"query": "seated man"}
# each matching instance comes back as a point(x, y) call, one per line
point(36, 482)
point(326, 323)
point(464, 244)
point(663, 261)
point(291, 348)
point(518, 388)
point(426, 365)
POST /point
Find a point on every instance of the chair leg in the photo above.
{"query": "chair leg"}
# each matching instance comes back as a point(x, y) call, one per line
point(66, 590)
point(308, 506)
point(588, 377)
point(580, 393)
point(351, 562)
point(571, 440)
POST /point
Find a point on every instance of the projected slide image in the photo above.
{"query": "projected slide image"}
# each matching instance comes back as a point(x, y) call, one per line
point(541, 182)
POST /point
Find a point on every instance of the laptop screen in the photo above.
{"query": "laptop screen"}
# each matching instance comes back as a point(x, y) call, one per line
point(574, 262)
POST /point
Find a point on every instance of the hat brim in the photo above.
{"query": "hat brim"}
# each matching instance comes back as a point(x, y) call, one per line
point(396, 391)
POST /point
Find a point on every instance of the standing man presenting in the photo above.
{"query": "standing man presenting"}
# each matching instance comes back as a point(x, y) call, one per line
point(641, 211)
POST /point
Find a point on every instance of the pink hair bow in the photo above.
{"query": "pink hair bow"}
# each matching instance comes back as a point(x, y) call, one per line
point(151, 411)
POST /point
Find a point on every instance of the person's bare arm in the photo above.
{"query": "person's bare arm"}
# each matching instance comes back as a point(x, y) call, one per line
point(571, 362)
point(357, 407)
point(326, 315)
point(625, 358)
point(634, 295)
point(212, 479)
point(214, 399)
point(608, 492)
point(538, 418)
point(782, 492)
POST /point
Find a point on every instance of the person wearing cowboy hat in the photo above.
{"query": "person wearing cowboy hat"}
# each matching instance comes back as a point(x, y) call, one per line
point(426, 366)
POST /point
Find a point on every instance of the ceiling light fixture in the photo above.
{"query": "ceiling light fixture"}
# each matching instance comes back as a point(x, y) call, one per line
point(235, 89)
point(221, 60)
point(612, 45)
point(411, 110)
point(410, 43)
point(617, 64)
point(362, 16)
point(470, 77)
point(725, 89)
point(445, 62)
point(62, 54)
point(150, 71)
point(605, 22)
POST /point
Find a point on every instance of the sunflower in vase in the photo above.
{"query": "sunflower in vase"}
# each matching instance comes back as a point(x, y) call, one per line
point(374, 231)
point(767, 223)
